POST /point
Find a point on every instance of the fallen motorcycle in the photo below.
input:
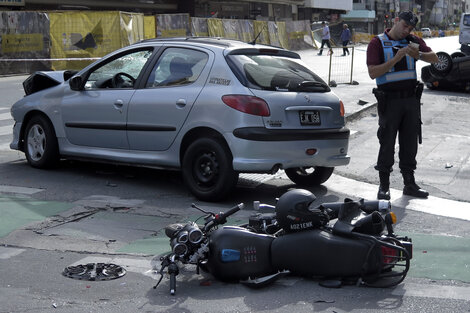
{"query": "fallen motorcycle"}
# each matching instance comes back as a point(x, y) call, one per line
point(350, 241)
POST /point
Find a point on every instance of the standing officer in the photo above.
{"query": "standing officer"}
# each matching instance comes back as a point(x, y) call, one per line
point(391, 59)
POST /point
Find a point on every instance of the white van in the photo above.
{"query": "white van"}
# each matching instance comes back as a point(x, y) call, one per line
point(464, 35)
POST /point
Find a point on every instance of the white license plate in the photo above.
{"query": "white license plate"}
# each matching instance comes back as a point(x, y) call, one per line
point(309, 117)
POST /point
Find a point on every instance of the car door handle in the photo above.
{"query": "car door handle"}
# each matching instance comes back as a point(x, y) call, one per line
point(181, 102)
point(118, 104)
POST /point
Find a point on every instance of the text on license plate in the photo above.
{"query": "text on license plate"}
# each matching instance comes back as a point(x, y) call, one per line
point(310, 118)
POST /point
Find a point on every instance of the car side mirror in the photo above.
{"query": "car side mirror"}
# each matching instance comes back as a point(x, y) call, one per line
point(76, 83)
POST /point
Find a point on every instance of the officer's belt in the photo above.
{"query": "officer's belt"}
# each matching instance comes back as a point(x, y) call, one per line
point(401, 94)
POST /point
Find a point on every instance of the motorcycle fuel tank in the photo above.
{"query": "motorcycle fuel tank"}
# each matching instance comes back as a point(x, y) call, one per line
point(237, 254)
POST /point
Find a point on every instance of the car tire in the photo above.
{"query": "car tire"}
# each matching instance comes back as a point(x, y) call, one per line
point(443, 67)
point(40, 143)
point(207, 169)
point(309, 176)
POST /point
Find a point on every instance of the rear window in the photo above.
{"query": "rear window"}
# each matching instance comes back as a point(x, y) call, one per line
point(268, 72)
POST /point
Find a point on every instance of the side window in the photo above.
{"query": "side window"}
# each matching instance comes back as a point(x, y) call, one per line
point(120, 72)
point(466, 19)
point(177, 66)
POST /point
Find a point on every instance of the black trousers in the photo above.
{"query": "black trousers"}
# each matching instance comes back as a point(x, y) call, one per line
point(323, 42)
point(345, 49)
point(398, 116)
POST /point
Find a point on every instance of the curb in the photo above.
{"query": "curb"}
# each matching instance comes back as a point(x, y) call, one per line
point(351, 117)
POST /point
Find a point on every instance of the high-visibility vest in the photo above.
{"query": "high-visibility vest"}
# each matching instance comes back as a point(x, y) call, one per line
point(393, 76)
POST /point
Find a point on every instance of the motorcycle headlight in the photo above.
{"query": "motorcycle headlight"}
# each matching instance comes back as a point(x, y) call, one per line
point(183, 237)
point(180, 249)
point(195, 235)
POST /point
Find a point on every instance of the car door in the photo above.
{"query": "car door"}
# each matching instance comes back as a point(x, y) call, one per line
point(158, 111)
point(96, 116)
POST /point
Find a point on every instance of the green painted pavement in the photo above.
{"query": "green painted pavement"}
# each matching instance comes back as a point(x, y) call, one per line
point(157, 245)
point(18, 212)
point(440, 257)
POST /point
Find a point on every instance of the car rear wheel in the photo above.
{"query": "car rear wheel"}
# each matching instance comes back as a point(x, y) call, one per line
point(309, 176)
point(207, 169)
point(443, 67)
point(41, 148)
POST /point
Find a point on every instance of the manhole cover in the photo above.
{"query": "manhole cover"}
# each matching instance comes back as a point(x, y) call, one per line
point(94, 271)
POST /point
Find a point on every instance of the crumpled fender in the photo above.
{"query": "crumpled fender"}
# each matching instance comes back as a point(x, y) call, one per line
point(45, 79)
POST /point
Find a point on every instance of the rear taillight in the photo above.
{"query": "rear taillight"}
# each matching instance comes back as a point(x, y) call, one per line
point(247, 104)
point(389, 255)
point(341, 108)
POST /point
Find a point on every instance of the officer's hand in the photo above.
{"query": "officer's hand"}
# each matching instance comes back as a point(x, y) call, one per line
point(413, 50)
point(401, 53)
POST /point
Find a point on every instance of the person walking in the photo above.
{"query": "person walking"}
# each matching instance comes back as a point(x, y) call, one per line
point(345, 38)
point(325, 39)
point(391, 60)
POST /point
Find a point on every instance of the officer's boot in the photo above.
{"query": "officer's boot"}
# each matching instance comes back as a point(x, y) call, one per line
point(384, 187)
point(411, 188)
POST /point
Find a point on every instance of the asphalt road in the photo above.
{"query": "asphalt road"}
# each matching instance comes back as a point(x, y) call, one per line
point(86, 212)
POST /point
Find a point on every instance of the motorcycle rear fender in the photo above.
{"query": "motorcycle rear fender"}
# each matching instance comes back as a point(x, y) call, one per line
point(237, 254)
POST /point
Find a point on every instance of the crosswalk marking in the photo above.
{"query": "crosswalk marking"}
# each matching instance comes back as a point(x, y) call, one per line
point(6, 130)
point(5, 116)
point(19, 190)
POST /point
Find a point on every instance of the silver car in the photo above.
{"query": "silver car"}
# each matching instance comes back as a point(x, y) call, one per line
point(212, 108)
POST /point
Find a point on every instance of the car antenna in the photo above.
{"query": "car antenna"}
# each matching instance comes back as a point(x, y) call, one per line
point(253, 42)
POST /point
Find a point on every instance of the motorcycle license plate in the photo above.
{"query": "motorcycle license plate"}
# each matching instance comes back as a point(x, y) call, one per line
point(310, 118)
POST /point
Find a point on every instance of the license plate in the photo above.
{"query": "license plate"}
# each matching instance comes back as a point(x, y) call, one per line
point(310, 118)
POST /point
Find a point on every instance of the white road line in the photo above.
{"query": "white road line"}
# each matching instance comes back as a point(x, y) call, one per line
point(432, 205)
point(6, 116)
point(6, 253)
point(19, 190)
point(432, 291)
point(6, 130)
point(5, 146)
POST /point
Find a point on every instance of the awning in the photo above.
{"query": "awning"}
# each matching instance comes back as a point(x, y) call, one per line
point(359, 16)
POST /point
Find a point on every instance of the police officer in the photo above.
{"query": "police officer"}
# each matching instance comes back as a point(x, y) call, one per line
point(391, 60)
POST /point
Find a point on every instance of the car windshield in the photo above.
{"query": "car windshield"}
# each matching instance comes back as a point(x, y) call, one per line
point(269, 72)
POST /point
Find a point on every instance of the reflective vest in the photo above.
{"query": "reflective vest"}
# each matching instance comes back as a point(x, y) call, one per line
point(392, 75)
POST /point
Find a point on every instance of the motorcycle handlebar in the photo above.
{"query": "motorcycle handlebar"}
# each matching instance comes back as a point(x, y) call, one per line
point(221, 218)
point(172, 284)
point(233, 210)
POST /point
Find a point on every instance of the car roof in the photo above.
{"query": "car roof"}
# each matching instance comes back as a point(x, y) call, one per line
point(222, 43)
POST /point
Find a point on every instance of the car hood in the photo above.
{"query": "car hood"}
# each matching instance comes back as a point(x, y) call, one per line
point(45, 79)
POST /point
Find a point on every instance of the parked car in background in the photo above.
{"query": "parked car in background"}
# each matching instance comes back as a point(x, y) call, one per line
point(451, 72)
point(426, 32)
point(212, 108)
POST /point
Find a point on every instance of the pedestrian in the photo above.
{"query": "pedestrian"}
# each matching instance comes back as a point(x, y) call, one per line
point(325, 39)
point(345, 38)
point(391, 60)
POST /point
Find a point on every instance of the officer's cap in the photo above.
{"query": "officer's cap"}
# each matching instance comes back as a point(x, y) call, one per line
point(409, 17)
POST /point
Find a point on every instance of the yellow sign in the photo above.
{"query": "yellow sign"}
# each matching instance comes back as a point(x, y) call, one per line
point(12, 43)
point(12, 2)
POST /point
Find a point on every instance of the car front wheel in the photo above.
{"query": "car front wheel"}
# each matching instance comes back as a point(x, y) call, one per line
point(309, 176)
point(443, 67)
point(207, 169)
point(41, 148)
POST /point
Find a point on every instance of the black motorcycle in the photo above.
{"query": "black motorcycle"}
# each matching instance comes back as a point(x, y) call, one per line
point(341, 242)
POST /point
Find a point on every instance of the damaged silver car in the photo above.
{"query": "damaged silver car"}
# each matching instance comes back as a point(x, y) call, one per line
point(212, 108)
